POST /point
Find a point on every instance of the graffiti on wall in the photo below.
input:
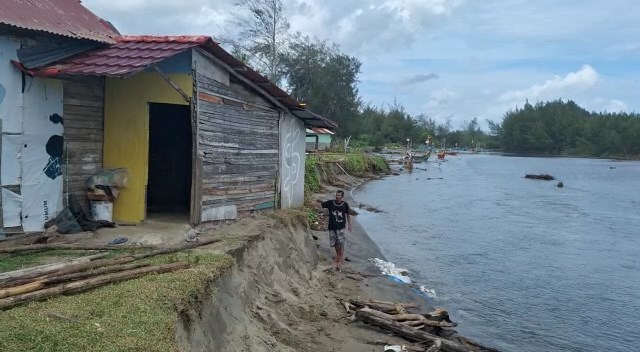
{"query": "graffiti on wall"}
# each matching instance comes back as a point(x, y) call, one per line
point(293, 144)
point(54, 148)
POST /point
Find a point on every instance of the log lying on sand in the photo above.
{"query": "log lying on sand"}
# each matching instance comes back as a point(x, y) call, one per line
point(75, 268)
point(408, 332)
point(84, 285)
point(545, 177)
point(386, 307)
point(64, 246)
point(414, 319)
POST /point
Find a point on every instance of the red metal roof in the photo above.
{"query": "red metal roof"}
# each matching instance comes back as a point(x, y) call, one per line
point(131, 54)
point(128, 55)
point(63, 17)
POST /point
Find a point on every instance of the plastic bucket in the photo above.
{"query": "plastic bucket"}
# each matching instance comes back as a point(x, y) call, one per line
point(101, 210)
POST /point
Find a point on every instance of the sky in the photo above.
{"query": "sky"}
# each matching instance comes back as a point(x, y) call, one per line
point(448, 59)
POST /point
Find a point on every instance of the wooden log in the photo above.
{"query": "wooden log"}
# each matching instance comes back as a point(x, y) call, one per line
point(38, 285)
point(387, 307)
point(41, 269)
point(410, 317)
point(64, 246)
point(19, 290)
point(408, 332)
point(84, 285)
point(435, 347)
point(74, 268)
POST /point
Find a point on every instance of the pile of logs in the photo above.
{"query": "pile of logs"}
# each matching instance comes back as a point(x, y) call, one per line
point(426, 329)
point(46, 281)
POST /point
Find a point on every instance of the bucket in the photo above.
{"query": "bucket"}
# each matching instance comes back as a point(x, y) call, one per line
point(101, 210)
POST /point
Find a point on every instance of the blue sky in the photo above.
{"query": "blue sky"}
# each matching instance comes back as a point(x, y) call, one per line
point(448, 59)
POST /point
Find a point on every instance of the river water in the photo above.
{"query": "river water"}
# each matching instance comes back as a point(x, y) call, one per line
point(520, 264)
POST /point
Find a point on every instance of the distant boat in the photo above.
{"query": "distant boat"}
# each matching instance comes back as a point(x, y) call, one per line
point(441, 154)
point(451, 153)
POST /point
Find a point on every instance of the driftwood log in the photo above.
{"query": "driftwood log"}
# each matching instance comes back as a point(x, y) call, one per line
point(75, 268)
point(415, 319)
point(386, 307)
point(408, 332)
point(84, 285)
point(64, 246)
point(435, 347)
point(544, 177)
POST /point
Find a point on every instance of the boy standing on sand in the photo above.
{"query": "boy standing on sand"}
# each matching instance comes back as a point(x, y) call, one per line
point(338, 219)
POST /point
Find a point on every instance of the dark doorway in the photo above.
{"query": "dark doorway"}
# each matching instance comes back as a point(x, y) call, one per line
point(169, 184)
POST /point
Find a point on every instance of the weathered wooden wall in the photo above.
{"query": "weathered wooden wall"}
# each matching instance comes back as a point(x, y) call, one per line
point(239, 151)
point(83, 113)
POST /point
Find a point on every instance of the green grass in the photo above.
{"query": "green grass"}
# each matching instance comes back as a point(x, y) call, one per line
point(135, 315)
point(359, 164)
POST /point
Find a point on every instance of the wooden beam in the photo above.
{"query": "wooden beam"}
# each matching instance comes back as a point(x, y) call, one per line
point(172, 84)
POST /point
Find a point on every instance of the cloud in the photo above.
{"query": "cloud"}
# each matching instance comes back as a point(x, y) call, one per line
point(556, 87)
point(419, 78)
point(609, 105)
point(369, 26)
point(440, 97)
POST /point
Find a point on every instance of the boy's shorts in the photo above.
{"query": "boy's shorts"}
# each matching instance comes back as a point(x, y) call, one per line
point(336, 237)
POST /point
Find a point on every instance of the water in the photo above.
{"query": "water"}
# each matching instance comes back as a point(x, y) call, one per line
point(520, 264)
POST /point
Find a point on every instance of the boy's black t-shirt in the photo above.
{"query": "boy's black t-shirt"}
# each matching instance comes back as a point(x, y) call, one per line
point(337, 214)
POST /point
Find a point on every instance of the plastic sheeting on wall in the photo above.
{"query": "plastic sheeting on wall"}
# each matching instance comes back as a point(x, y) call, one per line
point(10, 170)
point(10, 88)
point(11, 208)
point(42, 153)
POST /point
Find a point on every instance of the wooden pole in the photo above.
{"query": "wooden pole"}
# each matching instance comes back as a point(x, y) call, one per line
point(84, 285)
point(44, 269)
point(79, 267)
point(64, 246)
point(38, 285)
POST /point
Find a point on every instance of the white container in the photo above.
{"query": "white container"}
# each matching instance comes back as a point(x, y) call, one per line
point(101, 210)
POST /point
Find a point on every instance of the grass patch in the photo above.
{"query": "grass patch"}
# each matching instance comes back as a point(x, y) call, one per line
point(135, 315)
point(311, 181)
point(359, 164)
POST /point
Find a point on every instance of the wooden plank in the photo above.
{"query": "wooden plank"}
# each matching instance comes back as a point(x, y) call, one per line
point(209, 98)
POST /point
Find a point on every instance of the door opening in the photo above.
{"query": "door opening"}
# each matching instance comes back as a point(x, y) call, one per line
point(169, 183)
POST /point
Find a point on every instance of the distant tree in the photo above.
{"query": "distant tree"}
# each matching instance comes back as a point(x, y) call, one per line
point(326, 79)
point(262, 36)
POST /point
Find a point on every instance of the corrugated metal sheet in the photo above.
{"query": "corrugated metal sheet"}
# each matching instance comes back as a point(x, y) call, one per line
point(131, 54)
point(128, 55)
point(62, 17)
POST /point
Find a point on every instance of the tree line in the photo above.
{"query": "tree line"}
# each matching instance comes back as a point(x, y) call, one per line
point(563, 127)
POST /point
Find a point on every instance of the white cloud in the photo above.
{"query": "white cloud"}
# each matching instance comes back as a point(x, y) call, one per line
point(440, 97)
point(609, 105)
point(556, 87)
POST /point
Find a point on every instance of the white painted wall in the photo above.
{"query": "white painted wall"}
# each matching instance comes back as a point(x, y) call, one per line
point(31, 145)
point(292, 157)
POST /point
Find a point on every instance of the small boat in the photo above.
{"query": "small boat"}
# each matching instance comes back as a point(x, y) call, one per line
point(452, 153)
point(441, 155)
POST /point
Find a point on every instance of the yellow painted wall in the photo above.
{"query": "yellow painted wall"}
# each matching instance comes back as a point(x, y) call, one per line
point(126, 133)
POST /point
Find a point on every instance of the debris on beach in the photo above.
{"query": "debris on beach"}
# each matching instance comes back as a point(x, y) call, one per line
point(429, 330)
point(545, 177)
point(560, 184)
point(390, 269)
